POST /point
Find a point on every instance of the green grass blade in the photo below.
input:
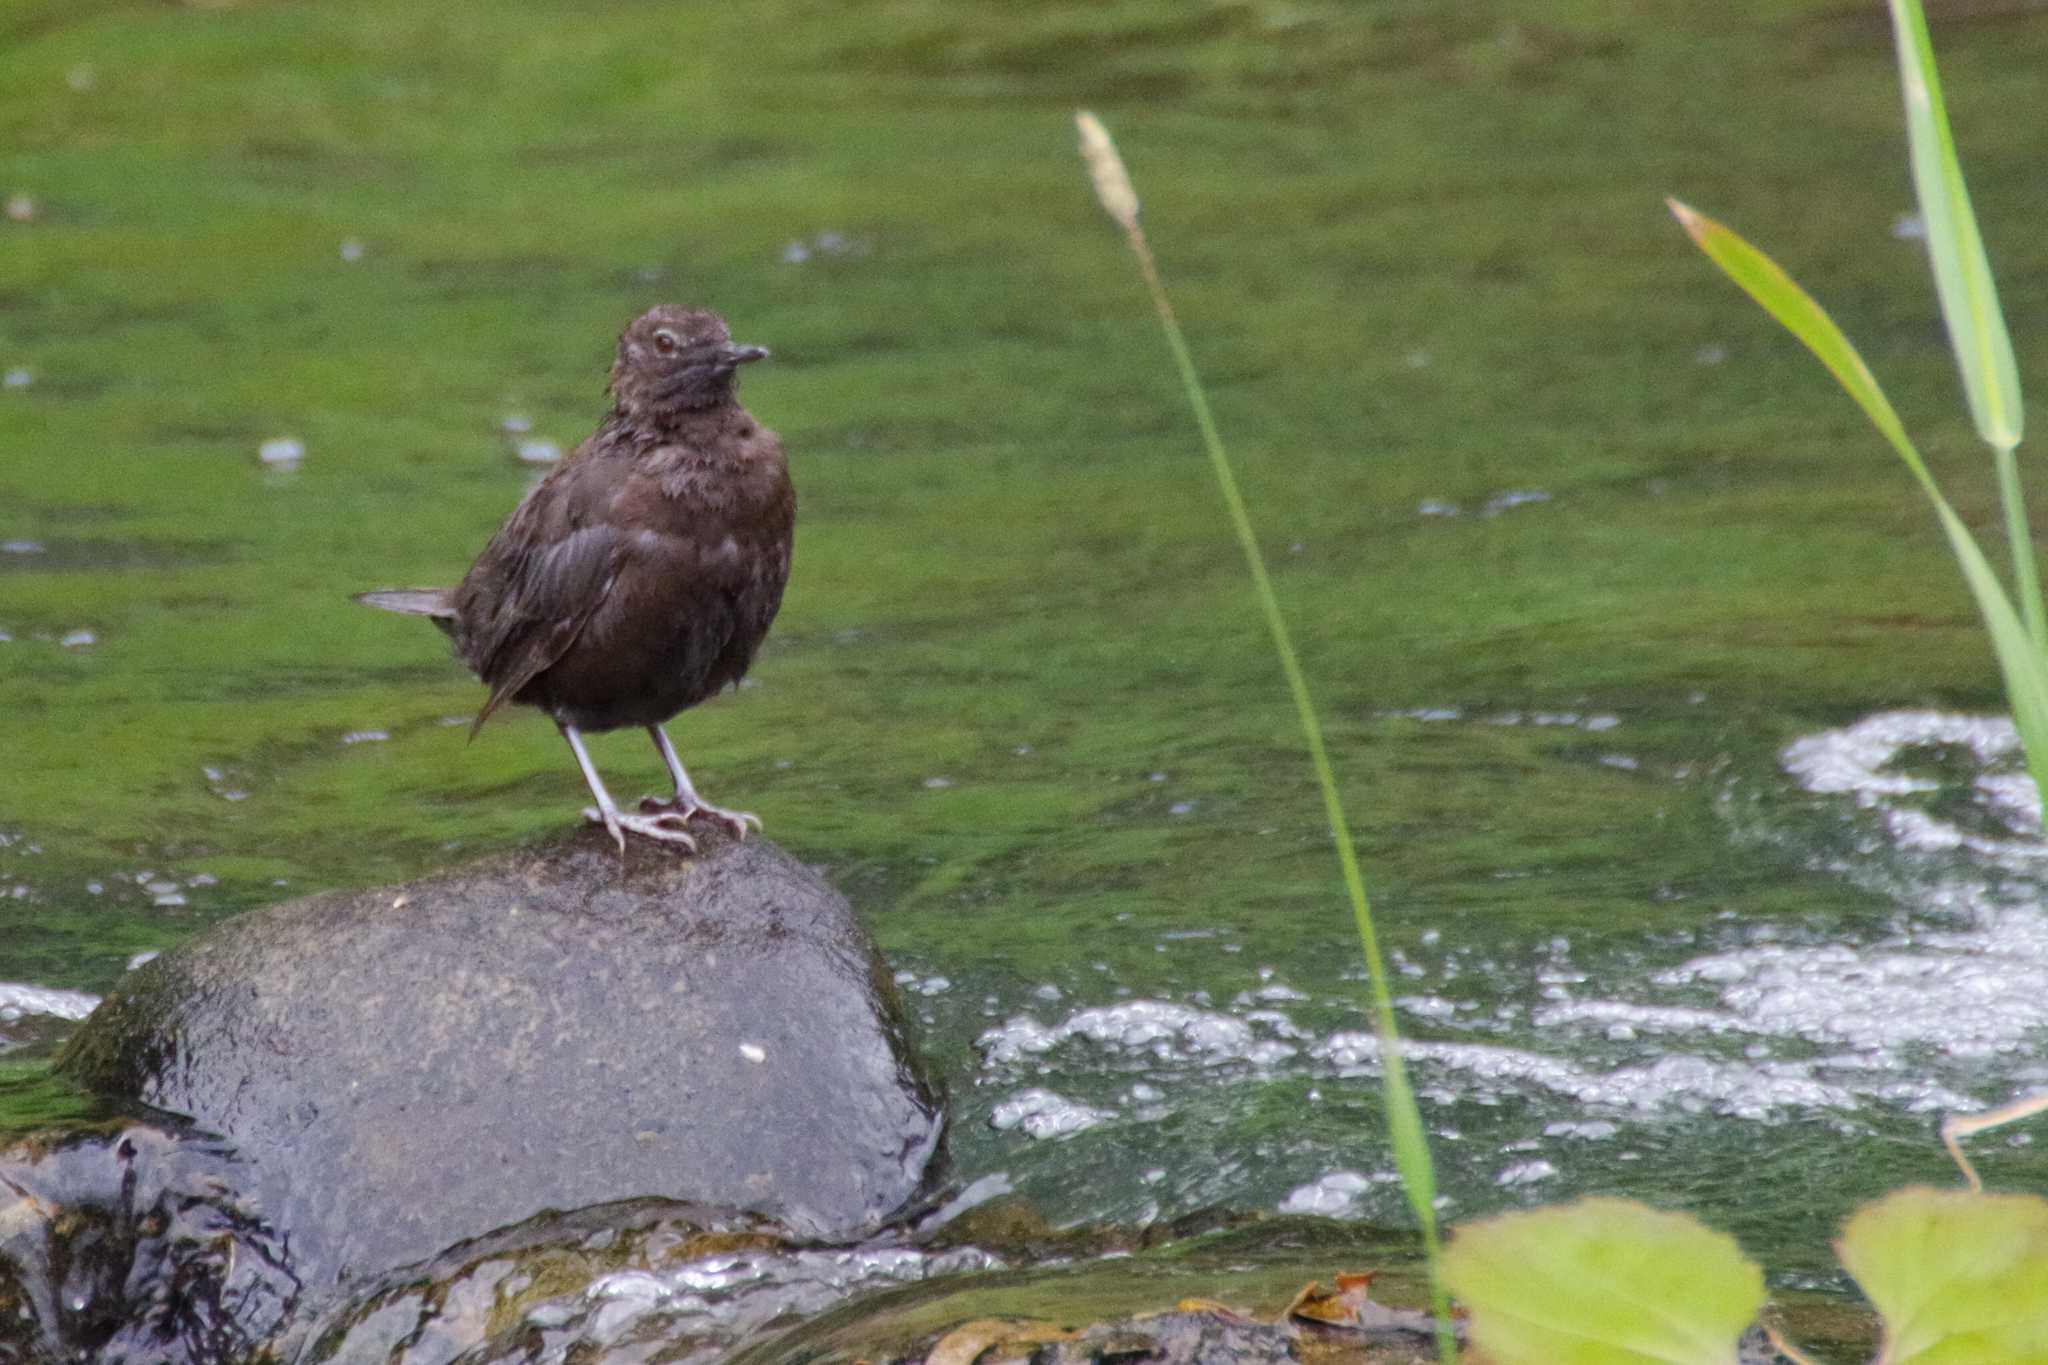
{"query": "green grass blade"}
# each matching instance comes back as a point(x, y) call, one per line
point(2022, 665)
point(1962, 275)
point(2026, 574)
point(1969, 296)
point(1766, 282)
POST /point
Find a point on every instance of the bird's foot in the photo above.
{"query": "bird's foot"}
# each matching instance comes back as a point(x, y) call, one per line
point(665, 827)
point(736, 822)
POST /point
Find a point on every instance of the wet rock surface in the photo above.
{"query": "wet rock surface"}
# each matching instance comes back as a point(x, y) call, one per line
point(132, 1248)
point(402, 1069)
point(628, 1283)
point(1178, 1294)
point(130, 1251)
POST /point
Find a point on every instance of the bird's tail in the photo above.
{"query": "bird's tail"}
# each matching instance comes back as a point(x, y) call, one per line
point(438, 603)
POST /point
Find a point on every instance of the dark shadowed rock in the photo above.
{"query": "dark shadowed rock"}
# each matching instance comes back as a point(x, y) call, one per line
point(406, 1068)
point(132, 1247)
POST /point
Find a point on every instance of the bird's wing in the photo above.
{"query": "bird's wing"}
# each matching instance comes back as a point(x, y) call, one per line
point(530, 602)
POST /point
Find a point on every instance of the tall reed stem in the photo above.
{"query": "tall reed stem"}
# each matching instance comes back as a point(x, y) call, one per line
point(2026, 585)
point(1404, 1118)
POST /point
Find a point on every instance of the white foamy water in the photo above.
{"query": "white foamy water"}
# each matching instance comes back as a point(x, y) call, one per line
point(18, 999)
point(1866, 762)
point(1166, 1032)
point(1335, 1194)
point(719, 1299)
point(1941, 1007)
point(1042, 1114)
point(1943, 819)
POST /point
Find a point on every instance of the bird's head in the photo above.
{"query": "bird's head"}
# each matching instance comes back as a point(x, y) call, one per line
point(672, 358)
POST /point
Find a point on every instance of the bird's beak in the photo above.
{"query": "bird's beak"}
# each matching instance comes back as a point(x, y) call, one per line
point(736, 354)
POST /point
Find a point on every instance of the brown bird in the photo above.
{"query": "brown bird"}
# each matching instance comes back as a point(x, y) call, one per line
point(640, 576)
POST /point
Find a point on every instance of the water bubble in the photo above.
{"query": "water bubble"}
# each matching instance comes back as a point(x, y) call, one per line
point(1043, 1114)
point(1332, 1195)
point(1526, 1173)
point(1590, 1130)
point(1514, 497)
point(828, 242)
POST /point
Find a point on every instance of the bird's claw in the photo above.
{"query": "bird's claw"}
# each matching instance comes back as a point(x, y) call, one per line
point(664, 827)
point(736, 822)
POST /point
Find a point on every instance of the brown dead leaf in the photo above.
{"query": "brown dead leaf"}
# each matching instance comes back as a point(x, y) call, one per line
point(702, 1244)
point(1212, 1307)
point(1343, 1307)
point(970, 1341)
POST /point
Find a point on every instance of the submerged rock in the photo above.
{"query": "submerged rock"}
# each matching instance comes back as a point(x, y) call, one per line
point(133, 1248)
point(403, 1069)
point(625, 1283)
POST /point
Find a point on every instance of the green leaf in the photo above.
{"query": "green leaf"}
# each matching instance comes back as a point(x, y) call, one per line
point(2022, 666)
point(1765, 281)
point(1960, 1278)
point(1962, 275)
point(1603, 1282)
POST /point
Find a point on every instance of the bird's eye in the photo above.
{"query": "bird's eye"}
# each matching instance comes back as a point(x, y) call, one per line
point(665, 341)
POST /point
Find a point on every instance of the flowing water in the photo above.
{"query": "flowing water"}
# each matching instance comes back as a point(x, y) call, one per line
point(1706, 867)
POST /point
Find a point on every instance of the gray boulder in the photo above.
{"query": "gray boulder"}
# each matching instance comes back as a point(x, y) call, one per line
point(405, 1068)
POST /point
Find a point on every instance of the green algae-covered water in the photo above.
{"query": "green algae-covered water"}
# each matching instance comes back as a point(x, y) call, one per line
point(1662, 717)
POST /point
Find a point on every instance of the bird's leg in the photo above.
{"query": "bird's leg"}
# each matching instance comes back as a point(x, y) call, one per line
point(687, 803)
point(664, 828)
